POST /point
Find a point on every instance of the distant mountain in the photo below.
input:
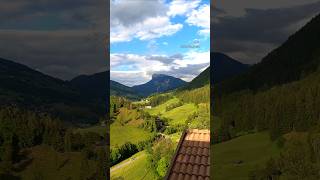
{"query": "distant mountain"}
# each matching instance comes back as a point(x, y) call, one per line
point(25, 87)
point(118, 89)
point(294, 59)
point(159, 83)
point(224, 67)
point(93, 85)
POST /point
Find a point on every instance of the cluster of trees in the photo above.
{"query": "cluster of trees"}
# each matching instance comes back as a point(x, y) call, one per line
point(158, 99)
point(160, 156)
point(290, 113)
point(174, 105)
point(117, 102)
point(20, 129)
point(196, 96)
point(118, 154)
point(201, 118)
point(299, 158)
point(121, 153)
point(293, 106)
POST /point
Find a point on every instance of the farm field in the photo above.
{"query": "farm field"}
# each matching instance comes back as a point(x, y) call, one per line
point(251, 150)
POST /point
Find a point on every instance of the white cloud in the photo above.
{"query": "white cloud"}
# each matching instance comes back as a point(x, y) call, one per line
point(150, 28)
point(182, 7)
point(200, 17)
point(144, 20)
point(185, 66)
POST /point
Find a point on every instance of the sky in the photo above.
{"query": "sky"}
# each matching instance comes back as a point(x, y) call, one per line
point(158, 37)
point(248, 30)
point(61, 38)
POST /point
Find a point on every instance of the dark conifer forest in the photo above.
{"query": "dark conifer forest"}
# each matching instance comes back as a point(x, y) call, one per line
point(280, 95)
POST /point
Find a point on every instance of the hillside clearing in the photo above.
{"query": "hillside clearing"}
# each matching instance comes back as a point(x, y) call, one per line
point(180, 114)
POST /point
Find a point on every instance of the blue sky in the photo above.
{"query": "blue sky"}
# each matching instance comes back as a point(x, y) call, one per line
point(168, 37)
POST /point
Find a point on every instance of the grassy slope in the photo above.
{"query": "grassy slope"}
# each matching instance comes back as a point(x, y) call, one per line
point(135, 170)
point(253, 149)
point(180, 114)
point(127, 133)
point(51, 165)
point(162, 107)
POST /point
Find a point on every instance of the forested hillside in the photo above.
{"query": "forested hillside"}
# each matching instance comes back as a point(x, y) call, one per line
point(117, 89)
point(224, 67)
point(280, 95)
point(293, 60)
point(37, 145)
point(30, 89)
point(158, 84)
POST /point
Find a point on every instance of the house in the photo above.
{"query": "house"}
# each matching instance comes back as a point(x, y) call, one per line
point(192, 157)
point(148, 107)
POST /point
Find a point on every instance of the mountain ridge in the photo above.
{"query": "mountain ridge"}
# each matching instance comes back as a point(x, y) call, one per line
point(158, 84)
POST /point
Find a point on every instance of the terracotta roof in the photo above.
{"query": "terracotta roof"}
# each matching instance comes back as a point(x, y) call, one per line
point(192, 158)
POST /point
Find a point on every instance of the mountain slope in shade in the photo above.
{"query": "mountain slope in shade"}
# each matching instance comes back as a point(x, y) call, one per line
point(93, 85)
point(117, 89)
point(159, 83)
point(224, 67)
point(25, 87)
point(96, 86)
point(27, 84)
point(293, 60)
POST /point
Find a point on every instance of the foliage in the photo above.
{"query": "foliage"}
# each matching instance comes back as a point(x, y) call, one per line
point(158, 99)
point(173, 105)
point(21, 129)
point(123, 152)
point(160, 155)
point(270, 109)
point(297, 160)
point(196, 96)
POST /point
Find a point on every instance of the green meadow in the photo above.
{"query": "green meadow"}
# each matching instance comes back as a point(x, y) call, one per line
point(180, 114)
point(161, 109)
point(135, 167)
point(241, 156)
point(119, 134)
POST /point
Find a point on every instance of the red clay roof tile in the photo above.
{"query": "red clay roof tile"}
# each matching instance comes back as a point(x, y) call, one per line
point(192, 158)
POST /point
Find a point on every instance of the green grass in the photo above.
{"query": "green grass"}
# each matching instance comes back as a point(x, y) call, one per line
point(180, 114)
point(161, 109)
point(175, 137)
point(119, 135)
point(51, 165)
point(136, 169)
point(253, 149)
